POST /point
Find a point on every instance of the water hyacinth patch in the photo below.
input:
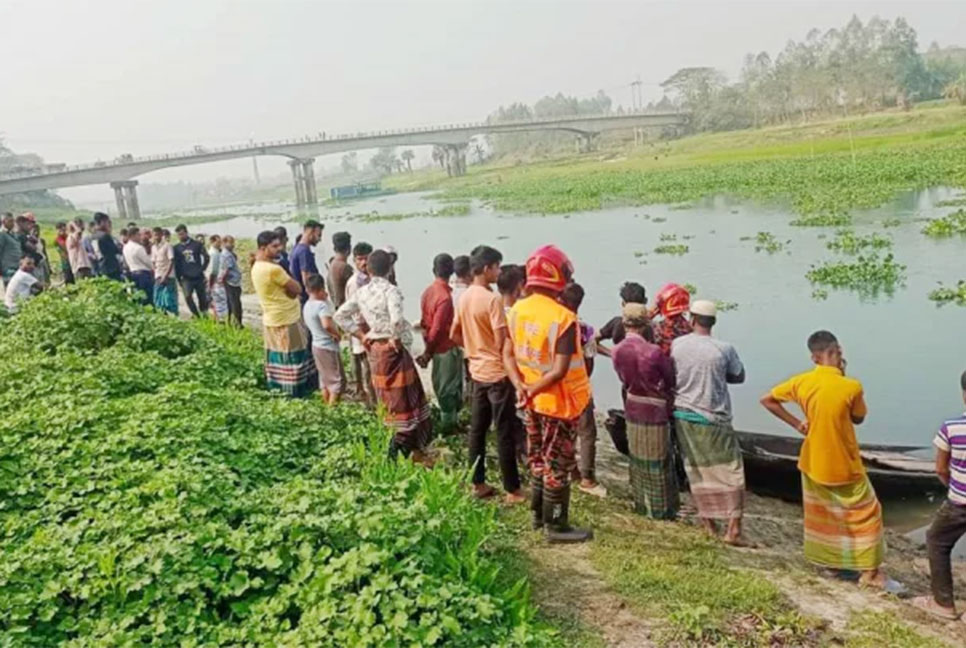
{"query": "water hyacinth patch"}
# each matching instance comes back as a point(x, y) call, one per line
point(848, 242)
point(946, 294)
point(949, 225)
point(766, 242)
point(677, 250)
point(837, 219)
point(868, 275)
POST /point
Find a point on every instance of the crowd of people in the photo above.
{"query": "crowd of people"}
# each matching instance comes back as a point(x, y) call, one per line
point(521, 359)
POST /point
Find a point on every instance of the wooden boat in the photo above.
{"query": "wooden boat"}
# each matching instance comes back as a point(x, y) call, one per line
point(771, 463)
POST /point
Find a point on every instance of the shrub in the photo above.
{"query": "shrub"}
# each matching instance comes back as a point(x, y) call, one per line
point(154, 495)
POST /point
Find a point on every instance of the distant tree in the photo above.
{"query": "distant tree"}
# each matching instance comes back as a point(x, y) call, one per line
point(956, 90)
point(407, 157)
point(384, 160)
point(350, 163)
point(439, 156)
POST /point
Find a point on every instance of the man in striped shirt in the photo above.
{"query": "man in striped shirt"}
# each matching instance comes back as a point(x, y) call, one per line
point(949, 525)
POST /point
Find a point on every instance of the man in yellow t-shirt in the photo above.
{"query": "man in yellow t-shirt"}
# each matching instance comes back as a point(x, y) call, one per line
point(843, 517)
point(289, 365)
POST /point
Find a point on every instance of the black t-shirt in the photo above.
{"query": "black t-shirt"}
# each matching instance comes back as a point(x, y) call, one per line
point(614, 330)
point(110, 264)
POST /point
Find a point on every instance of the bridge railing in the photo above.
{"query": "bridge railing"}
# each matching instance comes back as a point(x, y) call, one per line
point(309, 139)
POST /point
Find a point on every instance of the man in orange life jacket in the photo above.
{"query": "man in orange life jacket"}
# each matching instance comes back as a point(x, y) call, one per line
point(546, 365)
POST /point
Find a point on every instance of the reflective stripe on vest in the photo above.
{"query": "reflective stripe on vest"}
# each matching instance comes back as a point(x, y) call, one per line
point(535, 324)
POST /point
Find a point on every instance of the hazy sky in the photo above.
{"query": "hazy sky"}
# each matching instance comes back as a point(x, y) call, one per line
point(94, 79)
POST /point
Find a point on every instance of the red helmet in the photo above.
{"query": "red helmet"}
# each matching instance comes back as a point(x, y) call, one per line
point(549, 268)
point(673, 300)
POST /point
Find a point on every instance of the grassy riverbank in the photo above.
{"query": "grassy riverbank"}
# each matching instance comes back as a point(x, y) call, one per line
point(824, 167)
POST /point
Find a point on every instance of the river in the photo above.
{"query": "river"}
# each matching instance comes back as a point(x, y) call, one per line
point(907, 351)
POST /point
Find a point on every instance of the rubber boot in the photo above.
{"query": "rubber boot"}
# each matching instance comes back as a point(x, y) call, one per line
point(556, 515)
point(536, 504)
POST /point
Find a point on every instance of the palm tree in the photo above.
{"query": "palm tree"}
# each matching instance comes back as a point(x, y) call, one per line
point(407, 157)
point(956, 89)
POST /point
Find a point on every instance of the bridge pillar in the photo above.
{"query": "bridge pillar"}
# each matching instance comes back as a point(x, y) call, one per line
point(131, 198)
point(587, 142)
point(308, 180)
point(297, 170)
point(455, 160)
point(118, 188)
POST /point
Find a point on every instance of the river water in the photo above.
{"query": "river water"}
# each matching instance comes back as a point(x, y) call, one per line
point(908, 352)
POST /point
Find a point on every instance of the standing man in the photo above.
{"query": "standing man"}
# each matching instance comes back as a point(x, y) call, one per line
point(140, 265)
point(480, 326)
point(302, 262)
point(88, 242)
point(289, 366)
point(340, 271)
point(106, 248)
point(843, 517)
point(282, 258)
point(230, 277)
point(437, 320)
point(545, 362)
point(630, 293)
point(647, 378)
point(61, 242)
point(949, 524)
point(11, 250)
point(463, 278)
point(317, 313)
point(387, 337)
point(162, 262)
point(219, 298)
point(360, 362)
point(510, 284)
point(704, 367)
point(394, 256)
point(80, 263)
point(190, 262)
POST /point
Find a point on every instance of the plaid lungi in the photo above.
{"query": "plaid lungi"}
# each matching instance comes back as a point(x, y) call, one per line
point(400, 391)
point(653, 484)
point(843, 525)
point(289, 365)
point(715, 469)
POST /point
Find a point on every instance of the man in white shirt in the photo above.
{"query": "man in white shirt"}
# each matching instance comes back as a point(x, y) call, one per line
point(139, 264)
point(22, 285)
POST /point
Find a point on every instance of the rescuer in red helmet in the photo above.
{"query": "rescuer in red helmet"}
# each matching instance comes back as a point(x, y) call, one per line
point(672, 303)
point(546, 365)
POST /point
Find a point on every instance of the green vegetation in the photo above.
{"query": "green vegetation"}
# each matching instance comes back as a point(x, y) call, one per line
point(891, 222)
point(823, 220)
point(848, 242)
point(675, 249)
point(676, 573)
point(867, 275)
point(949, 225)
point(766, 242)
point(154, 494)
point(668, 237)
point(945, 294)
point(725, 306)
point(454, 209)
point(952, 202)
point(876, 629)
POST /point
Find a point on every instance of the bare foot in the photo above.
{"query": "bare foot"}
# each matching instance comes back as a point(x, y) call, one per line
point(928, 604)
point(738, 541)
point(515, 497)
point(709, 527)
point(483, 491)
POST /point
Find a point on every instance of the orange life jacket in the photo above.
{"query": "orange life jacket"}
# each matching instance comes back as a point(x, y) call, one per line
point(534, 325)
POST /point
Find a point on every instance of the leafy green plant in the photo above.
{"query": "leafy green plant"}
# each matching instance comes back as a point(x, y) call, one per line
point(891, 222)
point(668, 237)
point(867, 275)
point(154, 494)
point(766, 242)
point(949, 225)
point(848, 242)
point(946, 294)
point(831, 219)
point(678, 249)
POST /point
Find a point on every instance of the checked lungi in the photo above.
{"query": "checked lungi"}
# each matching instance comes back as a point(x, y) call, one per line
point(654, 486)
point(843, 525)
point(713, 463)
point(289, 365)
point(400, 391)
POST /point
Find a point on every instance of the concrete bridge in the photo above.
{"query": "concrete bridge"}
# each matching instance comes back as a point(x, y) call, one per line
point(302, 152)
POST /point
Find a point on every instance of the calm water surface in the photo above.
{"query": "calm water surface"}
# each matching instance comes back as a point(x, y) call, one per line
point(907, 352)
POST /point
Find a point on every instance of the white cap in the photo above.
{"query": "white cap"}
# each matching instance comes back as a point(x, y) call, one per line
point(704, 307)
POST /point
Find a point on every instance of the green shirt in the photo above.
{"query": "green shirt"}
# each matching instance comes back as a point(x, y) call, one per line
point(10, 252)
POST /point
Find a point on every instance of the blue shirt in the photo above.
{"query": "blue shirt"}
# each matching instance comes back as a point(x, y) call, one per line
point(312, 313)
point(302, 260)
point(230, 272)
